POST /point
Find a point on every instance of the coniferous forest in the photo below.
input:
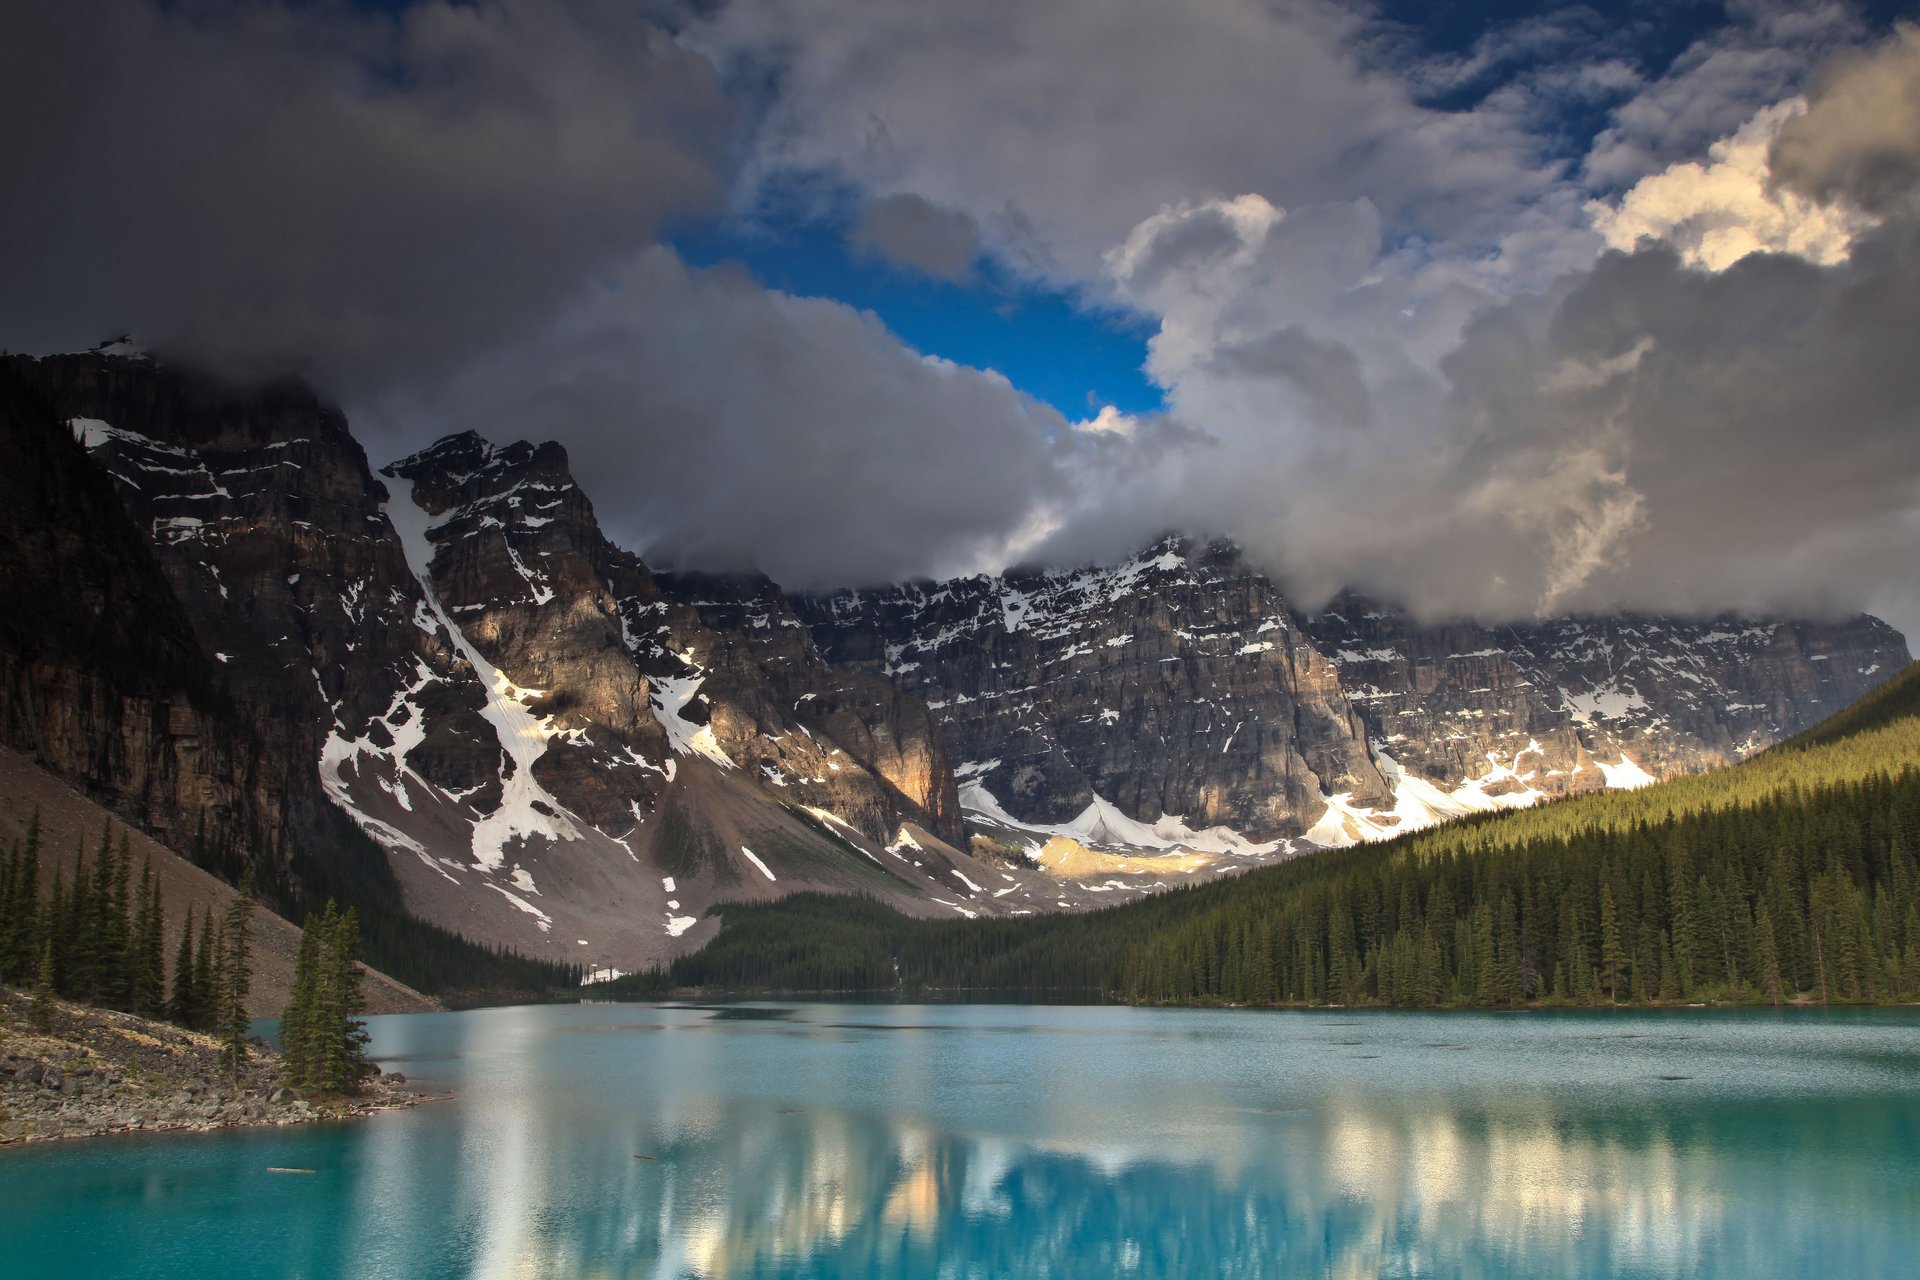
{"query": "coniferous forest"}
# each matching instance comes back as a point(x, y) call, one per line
point(97, 937)
point(1794, 876)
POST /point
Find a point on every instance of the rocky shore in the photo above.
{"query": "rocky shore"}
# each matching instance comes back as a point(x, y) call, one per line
point(95, 1071)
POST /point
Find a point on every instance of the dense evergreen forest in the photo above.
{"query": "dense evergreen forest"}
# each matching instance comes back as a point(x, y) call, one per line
point(1792, 876)
point(97, 938)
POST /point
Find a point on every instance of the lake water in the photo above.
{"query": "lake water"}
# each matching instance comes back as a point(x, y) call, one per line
point(1028, 1141)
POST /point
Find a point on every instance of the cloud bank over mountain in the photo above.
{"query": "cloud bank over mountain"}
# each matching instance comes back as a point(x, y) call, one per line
point(1546, 323)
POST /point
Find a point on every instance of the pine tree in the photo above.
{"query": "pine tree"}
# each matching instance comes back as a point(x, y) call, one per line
point(153, 933)
point(116, 930)
point(20, 941)
point(1612, 954)
point(206, 965)
point(52, 919)
point(1506, 966)
point(1767, 956)
point(180, 1006)
point(350, 1002)
point(235, 982)
point(40, 1011)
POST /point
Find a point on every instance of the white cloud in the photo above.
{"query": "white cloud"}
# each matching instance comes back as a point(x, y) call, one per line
point(1716, 213)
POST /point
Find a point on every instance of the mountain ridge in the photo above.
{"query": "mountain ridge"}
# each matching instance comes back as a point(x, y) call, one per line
point(560, 750)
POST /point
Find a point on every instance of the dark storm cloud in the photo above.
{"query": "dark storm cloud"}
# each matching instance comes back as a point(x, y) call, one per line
point(362, 196)
point(1671, 438)
point(719, 425)
point(1325, 373)
point(1389, 354)
point(1860, 137)
point(914, 233)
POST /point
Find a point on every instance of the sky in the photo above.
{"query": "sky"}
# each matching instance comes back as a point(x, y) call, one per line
point(1496, 310)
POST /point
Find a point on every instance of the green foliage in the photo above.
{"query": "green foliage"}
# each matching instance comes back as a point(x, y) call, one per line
point(324, 1039)
point(232, 984)
point(1792, 875)
point(40, 1011)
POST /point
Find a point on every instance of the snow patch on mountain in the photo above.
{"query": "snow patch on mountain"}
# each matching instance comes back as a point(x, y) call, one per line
point(1103, 826)
point(526, 808)
point(1626, 775)
point(670, 696)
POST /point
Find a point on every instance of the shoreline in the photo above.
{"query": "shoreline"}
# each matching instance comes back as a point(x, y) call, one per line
point(97, 1072)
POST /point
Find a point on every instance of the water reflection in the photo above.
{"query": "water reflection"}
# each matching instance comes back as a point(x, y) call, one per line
point(672, 1143)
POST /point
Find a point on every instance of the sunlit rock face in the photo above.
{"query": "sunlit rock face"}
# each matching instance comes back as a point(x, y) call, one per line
point(1176, 683)
point(1568, 698)
point(1182, 682)
point(554, 747)
point(551, 750)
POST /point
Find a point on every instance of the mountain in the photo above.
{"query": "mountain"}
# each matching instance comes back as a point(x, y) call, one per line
point(71, 823)
point(1094, 702)
point(440, 689)
point(1791, 876)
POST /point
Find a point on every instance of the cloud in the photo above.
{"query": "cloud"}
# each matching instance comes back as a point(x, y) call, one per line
point(1715, 85)
point(1719, 212)
point(358, 195)
point(1747, 442)
point(1395, 345)
point(909, 232)
point(720, 425)
point(1716, 415)
point(1859, 141)
point(1059, 127)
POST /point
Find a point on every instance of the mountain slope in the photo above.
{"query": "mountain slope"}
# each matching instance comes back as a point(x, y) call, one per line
point(440, 690)
point(1794, 872)
point(69, 822)
point(1181, 690)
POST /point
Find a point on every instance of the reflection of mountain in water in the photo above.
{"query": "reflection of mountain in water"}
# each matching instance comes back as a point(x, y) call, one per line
point(1352, 1189)
point(997, 1141)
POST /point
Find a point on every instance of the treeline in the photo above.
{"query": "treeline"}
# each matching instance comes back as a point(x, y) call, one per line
point(1810, 892)
point(97, 939)
point(338, 863)
point(1791, 876)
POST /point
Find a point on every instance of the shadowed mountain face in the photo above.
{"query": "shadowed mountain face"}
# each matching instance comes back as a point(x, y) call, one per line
point(1182, 683)
point(562, 751)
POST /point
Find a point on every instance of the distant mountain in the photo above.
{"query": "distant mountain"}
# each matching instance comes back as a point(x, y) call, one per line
point(440, 684)
point(1182, 682)
point(1793, 876)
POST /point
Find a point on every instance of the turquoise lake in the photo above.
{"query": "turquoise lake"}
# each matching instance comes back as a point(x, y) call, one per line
point(1013, 1141)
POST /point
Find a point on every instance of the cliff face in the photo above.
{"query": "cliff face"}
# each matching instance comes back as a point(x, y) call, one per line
point(225, 624)
point(1576, 696)
point(633, 670)
point(553, 750)
point(103, 677)
point(1177, 683)
point(1181, 683)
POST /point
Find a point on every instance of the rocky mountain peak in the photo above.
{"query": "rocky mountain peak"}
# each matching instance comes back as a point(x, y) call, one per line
point(561, 750)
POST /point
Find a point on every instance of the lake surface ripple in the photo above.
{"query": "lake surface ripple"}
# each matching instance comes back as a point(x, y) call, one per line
point(865, 1140)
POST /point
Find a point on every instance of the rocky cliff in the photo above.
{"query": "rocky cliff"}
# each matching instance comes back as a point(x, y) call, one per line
point(1179, 699)
point(250, 635)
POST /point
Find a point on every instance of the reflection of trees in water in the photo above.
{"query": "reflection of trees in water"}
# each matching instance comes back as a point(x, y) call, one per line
point(1354, 1189)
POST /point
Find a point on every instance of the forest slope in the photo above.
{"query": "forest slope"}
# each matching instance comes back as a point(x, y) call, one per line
point(1790, 876)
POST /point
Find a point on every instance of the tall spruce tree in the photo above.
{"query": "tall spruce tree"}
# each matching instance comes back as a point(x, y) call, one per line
point(180, 1005)
point(234, 984)
point(325, 1040)
point(40, 1011)
point(206, 975)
